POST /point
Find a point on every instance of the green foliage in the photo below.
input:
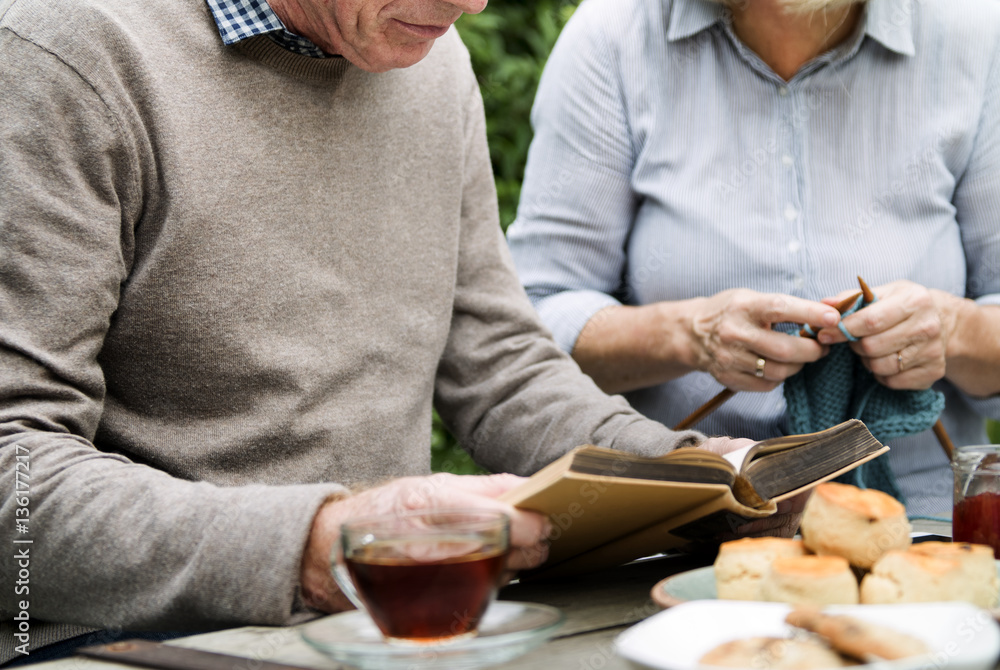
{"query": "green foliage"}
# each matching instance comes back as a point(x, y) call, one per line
point(509, 43)
point(993, 430)
point(447, 456)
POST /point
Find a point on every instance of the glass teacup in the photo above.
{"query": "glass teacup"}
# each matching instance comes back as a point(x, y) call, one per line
point(424, 577)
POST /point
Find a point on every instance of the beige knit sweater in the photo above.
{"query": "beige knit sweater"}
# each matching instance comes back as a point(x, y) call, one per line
point(232, 280)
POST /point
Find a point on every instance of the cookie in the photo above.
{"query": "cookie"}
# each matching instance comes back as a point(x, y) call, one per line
point(856, 638)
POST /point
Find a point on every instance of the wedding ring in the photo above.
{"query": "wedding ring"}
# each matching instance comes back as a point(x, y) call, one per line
point(759, 373)
point(899, 360)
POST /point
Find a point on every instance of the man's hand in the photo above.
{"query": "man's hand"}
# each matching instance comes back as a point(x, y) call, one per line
point(528, 530)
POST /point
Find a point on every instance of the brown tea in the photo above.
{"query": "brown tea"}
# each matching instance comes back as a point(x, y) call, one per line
point(426, 591)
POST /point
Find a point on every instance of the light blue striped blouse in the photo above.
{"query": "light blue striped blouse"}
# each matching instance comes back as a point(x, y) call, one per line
point(669, 162)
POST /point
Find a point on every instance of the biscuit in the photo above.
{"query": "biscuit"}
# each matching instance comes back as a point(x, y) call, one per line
point(909, 577)
point(857, 638)
point(773, 653)
point(859, 524)
point(741, 564)
point(977, 563)
point(810, 580)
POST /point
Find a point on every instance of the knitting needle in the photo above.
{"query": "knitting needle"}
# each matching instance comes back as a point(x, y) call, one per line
point(942, 435)
point(706, 409)
point(841, 307)
point(869, 296)
point(725, 394)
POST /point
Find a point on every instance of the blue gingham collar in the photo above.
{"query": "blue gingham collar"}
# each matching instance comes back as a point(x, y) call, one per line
point(889, 22)
point(241, 19)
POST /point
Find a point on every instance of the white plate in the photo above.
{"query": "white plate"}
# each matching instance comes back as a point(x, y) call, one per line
point(960, 636)
point(507, 630)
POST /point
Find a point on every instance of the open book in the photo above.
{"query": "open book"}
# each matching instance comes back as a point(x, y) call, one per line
point(609, 507)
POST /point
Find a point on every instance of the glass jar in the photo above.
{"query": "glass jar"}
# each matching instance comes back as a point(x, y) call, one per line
point(976, 515)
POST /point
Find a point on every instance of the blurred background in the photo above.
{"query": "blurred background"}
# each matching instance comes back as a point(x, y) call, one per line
point(509, 43)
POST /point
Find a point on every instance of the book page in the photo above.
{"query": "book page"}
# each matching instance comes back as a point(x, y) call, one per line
point(737, 457)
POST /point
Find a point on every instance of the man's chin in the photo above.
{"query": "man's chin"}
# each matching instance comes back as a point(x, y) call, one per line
point(394, 58)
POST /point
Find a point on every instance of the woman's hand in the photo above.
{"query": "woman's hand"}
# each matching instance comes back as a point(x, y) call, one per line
point(912, 336)
point(731, 331)
point(902, 336)
point(625, 348)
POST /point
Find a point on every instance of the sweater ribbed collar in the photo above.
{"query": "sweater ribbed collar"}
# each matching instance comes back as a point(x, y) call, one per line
point(265, 50)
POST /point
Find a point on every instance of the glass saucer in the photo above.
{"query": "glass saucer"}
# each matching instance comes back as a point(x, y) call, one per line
point(508, 630)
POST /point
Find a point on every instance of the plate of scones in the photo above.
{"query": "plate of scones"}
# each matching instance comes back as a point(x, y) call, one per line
point(855, 548)
point(853, 590)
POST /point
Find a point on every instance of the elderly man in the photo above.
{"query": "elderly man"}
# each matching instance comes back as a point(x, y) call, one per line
point(243, 253)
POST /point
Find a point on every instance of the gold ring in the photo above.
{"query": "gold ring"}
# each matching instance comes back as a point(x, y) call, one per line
point(899, 360)
point(759, 374)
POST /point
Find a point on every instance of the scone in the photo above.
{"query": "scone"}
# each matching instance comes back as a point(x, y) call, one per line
point(909, 577)
point(857, 638)
point(741, 564)
point(810, 580)
point(977, 563)
point(859, 524)
point(773, 653)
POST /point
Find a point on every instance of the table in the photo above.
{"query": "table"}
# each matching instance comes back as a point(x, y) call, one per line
point(598, 607)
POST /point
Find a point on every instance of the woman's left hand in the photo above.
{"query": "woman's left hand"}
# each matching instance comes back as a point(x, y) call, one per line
point(903, 336)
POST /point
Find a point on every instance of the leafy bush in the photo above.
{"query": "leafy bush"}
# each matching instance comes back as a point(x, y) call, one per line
point(509, 43)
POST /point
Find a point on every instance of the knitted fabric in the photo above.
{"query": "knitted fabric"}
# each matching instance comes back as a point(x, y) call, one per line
point(838, 387)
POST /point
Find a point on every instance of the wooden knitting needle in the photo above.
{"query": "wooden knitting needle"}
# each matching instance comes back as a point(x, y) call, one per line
point(942, 435)
point(706, 409)
point(725, 394)
point(841, 307)
point(866, 292)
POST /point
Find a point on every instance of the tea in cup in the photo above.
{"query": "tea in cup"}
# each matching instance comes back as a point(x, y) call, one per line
point(424, 577)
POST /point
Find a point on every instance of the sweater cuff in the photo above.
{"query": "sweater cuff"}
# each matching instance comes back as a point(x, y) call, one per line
point(261, 538)
point(651, 439)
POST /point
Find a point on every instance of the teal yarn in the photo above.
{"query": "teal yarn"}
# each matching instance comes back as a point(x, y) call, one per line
point(837, 387)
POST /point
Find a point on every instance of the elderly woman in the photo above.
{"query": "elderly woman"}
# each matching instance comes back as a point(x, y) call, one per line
point(705, 174)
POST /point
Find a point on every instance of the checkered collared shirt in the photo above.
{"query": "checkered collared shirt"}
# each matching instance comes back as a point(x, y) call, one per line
point(240, 19)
